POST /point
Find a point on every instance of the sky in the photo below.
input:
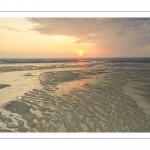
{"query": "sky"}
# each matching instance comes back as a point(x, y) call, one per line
point(74, 37)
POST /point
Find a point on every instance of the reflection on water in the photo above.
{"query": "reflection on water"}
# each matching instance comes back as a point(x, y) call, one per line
point(81, 84)
point(63, 88)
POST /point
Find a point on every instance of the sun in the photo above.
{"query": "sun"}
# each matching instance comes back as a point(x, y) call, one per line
point(80, 52)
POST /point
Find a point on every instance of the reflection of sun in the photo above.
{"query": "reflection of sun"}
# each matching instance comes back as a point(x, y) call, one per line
point(80, 84)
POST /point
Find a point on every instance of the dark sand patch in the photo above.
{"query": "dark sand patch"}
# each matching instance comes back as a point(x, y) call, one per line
point(64, 76)
point(31, 74)
point(4, 85)
point(17, 107)
point(28, 117)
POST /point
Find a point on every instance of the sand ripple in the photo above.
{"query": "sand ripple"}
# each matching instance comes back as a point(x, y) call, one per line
point(99, 106)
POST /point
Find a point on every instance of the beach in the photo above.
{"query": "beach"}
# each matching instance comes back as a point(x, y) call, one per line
point(78, 96)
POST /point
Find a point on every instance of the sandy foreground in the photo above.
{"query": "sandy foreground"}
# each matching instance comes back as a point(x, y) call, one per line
point(74, 100)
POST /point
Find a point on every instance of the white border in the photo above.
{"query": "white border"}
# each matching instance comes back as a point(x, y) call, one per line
point(74, 5)
point(76, 14)
point(77, 135)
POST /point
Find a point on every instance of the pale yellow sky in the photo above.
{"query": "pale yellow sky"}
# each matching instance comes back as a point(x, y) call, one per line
point(17, 40)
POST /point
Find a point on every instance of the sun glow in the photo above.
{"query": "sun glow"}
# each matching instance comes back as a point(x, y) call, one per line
point(80, 52)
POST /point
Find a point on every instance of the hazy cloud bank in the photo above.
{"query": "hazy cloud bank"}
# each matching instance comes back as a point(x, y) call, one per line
point(122, 34)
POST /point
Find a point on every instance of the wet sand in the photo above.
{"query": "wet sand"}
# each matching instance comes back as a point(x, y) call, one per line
point(16, 84)
point(78, 100)
point(139, 92)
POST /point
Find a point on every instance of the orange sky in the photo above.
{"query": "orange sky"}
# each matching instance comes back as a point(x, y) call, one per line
point(17, 40)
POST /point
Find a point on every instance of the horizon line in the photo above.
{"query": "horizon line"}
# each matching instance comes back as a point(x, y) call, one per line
point(68, 57)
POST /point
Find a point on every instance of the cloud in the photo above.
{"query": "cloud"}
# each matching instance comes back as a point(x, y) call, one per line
point(120, 33)
point(9, 28)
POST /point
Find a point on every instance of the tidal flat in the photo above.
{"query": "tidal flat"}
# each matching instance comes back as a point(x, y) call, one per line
point(84, 96)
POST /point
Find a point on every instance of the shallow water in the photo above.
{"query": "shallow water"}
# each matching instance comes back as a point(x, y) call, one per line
point(93, 96)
